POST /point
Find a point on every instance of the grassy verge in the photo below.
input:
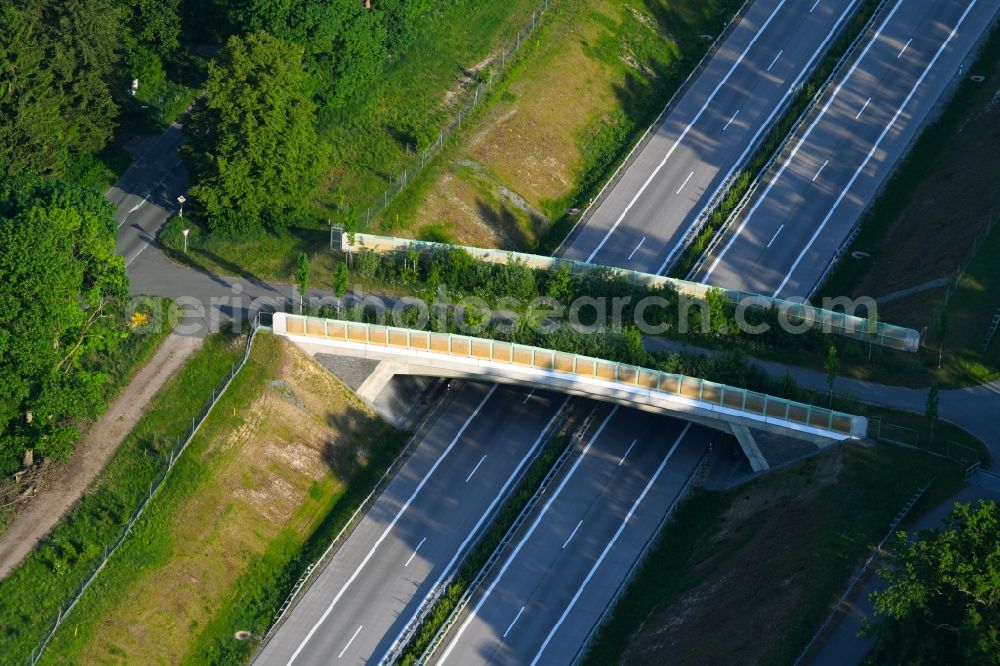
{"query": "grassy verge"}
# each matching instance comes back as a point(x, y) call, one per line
point(747, 575)
point(481, 552)
point(908, 238)
point(773, 141)
point(635, 57)
point(278, 465)
point(592, 78)
point(31, 596)
point(378, 136)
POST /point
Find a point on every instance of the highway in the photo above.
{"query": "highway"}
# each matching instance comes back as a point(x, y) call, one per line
point(708, 134)
point(411, 537)
point(360, 625)
point(811, 199)
point(551, 589)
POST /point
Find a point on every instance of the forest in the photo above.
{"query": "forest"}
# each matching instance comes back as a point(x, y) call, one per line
point(77, 78)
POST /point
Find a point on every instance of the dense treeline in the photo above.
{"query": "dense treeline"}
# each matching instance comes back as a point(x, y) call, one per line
point(59, 312)
point(71, 72)
point(58, 63)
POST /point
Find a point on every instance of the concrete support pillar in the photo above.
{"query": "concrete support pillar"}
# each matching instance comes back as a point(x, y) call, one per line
point(375, 382)
point(757, 461)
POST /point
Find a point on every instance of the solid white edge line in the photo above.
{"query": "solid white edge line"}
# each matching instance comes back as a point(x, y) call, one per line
point(392, 524)
point(489, 511)
point(356, 632)
point(524, 539)
point(791, 156)
point(685, 131)
point(815, 4)
point(610, 545)
point(878, 142)
point(760, 130)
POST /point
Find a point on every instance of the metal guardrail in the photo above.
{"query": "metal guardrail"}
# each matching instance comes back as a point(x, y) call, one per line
point(712, 395)
point(173, 456)
point(851, 326)
point(792, 132)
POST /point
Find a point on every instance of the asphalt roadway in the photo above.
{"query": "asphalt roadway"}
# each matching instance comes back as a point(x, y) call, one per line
point(554, 584)
point(146, 195)
point(811, 199)
point(361, 626)
point(709, 133)
point(413, 533)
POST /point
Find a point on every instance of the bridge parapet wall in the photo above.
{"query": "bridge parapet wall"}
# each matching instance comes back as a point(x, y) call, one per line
point(445, 354)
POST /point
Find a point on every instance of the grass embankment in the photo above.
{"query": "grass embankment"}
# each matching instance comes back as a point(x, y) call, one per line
point(924, 226)
point(482, 551)
point(773, 141)
point(278, 466)
point(32, 595)
point(747, 575)
point(374, 138)
point(584, 89)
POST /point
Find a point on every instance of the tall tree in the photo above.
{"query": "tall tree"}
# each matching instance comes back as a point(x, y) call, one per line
point(61, 280)
point(942, 604)
point(931, 408)
point(302, 276)
point(253, 147)
point(341, 278)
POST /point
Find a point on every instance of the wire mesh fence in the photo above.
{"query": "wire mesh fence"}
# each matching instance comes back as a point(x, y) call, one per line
point(170, 459)
point(483, 84)
point(881, 431)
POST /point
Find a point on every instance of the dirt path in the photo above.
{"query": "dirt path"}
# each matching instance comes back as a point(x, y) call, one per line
point(66, 482)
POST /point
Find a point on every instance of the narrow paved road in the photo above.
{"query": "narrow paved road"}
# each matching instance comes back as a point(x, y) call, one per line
point(842, 646)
